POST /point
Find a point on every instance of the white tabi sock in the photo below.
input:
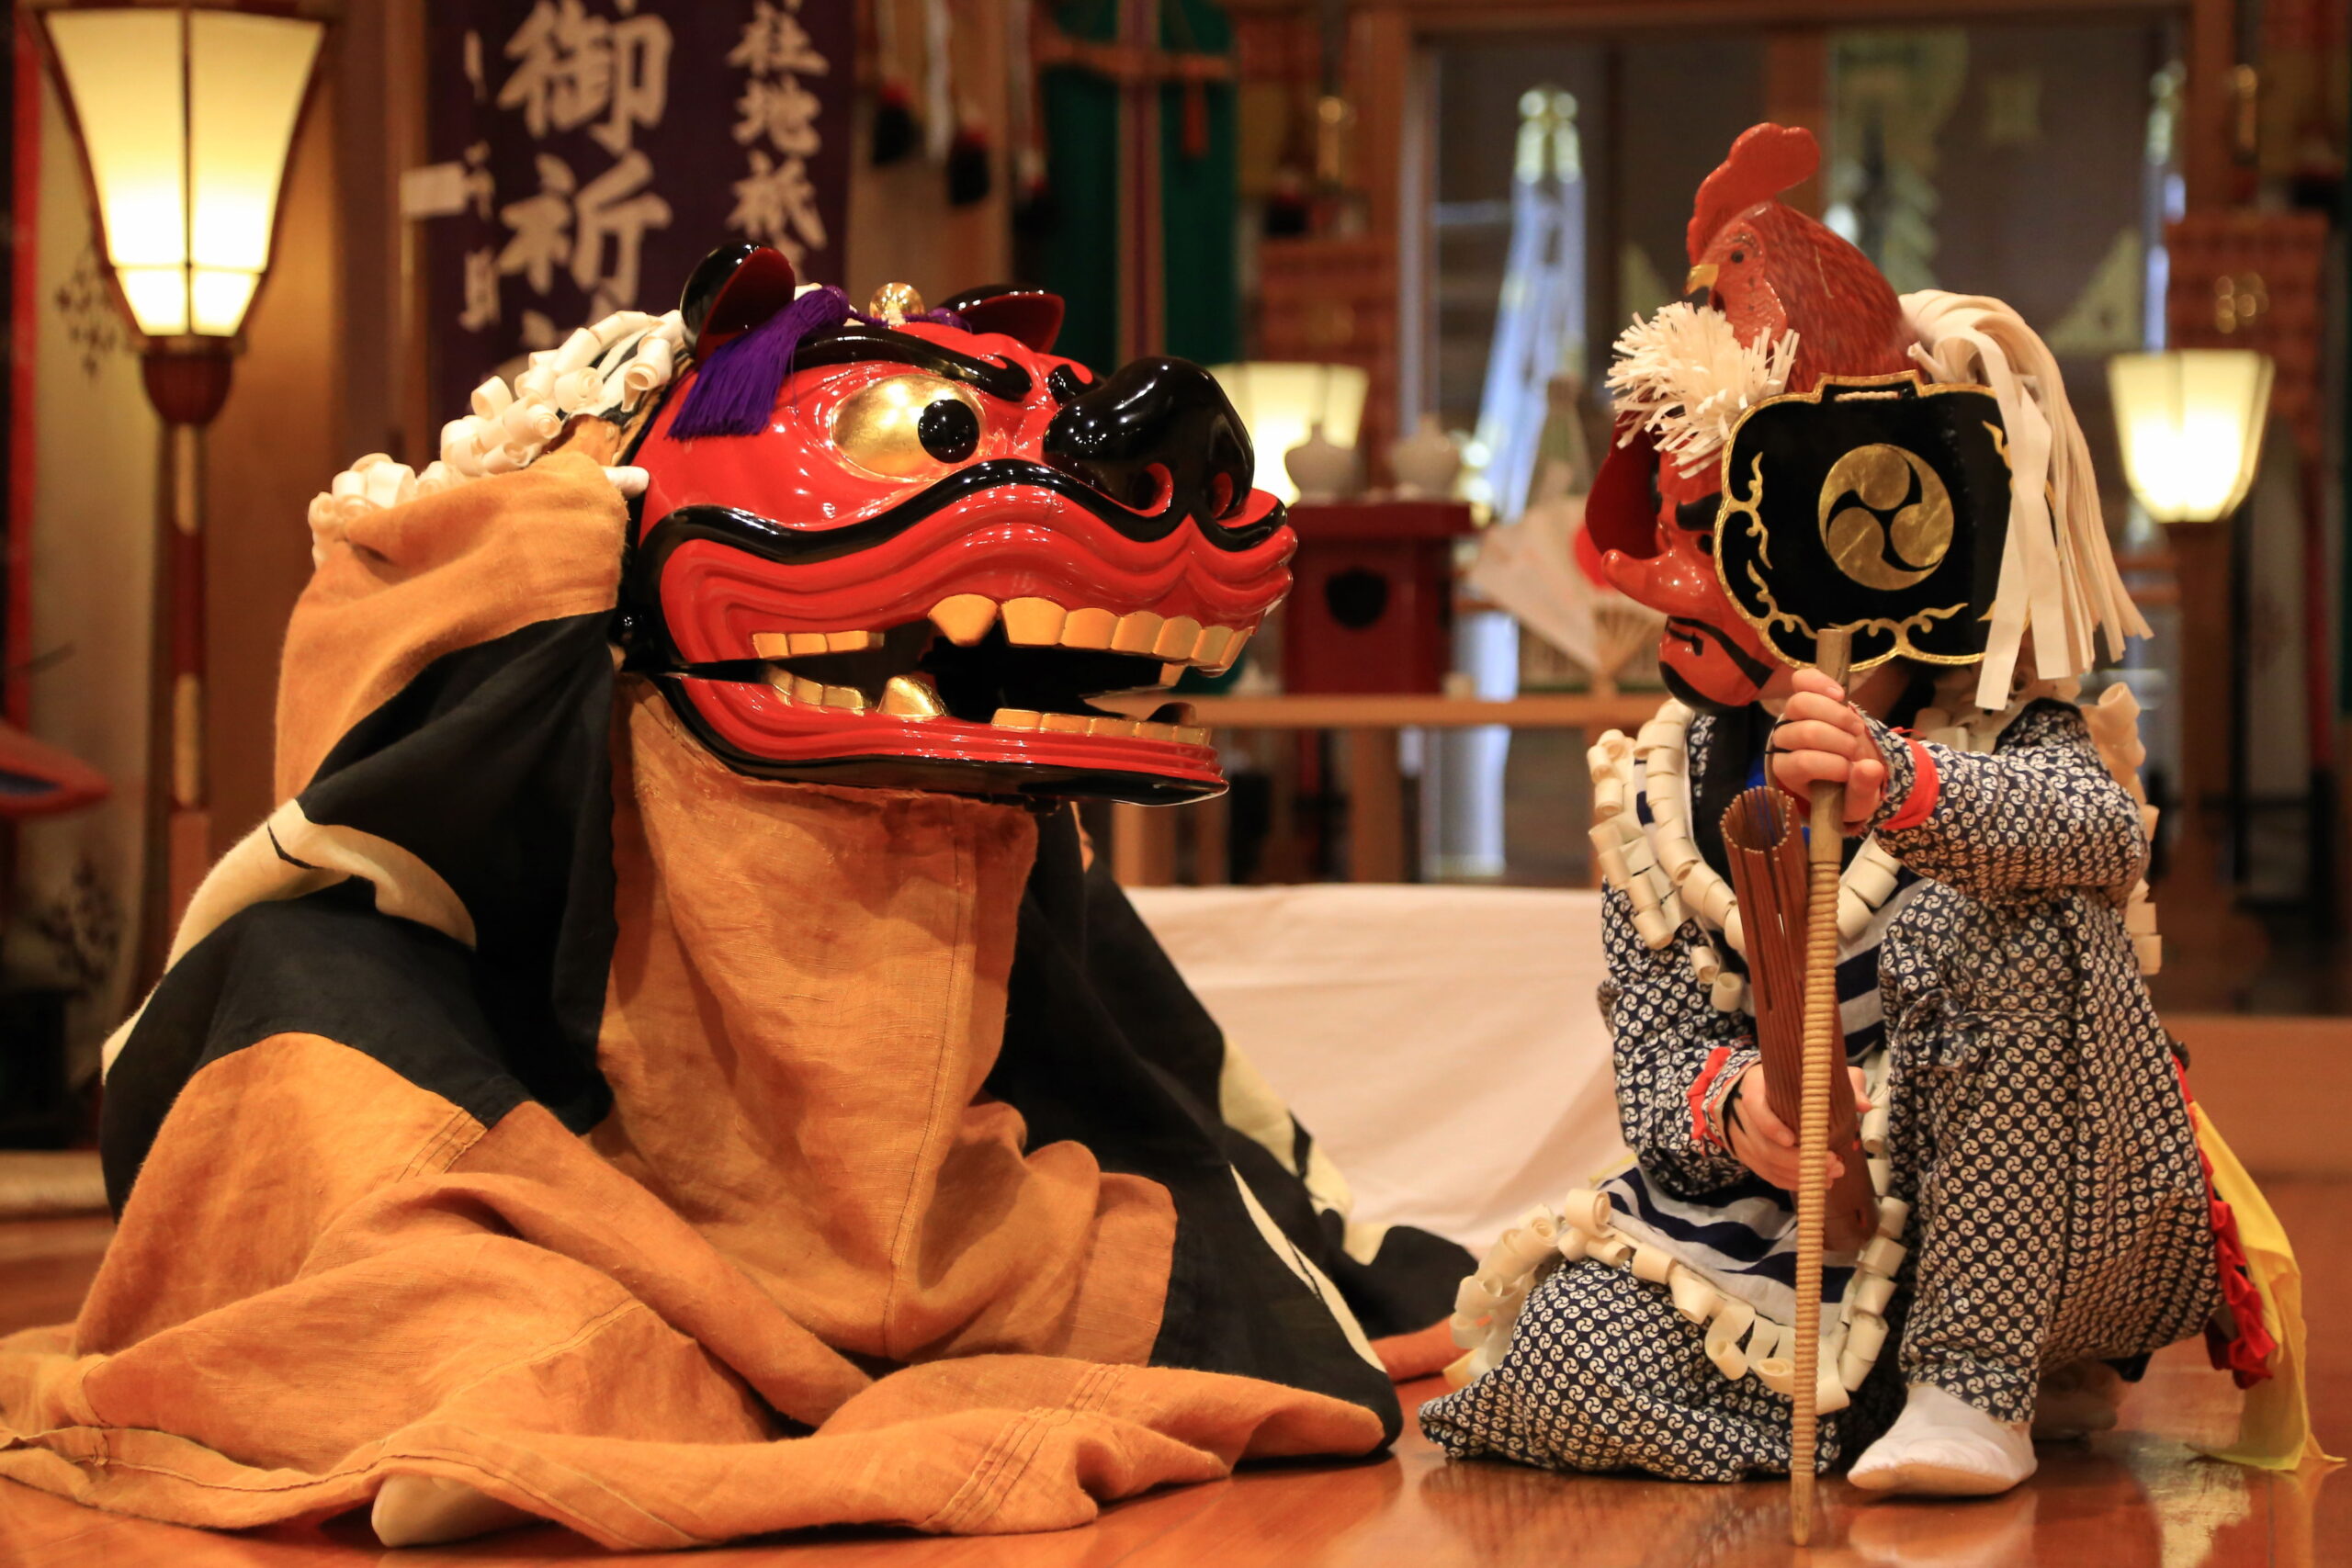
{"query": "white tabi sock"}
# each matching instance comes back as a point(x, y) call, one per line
point(1942, 1446)
point(427, 1510)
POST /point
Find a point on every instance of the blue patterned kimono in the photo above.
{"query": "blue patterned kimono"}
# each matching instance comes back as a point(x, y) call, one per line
point(2037, 1131)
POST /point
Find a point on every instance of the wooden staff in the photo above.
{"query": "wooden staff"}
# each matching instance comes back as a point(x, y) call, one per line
point(1823, 861)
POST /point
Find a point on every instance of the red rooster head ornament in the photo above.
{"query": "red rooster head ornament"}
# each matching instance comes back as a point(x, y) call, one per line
point(1775, 301)
point(1771, 270)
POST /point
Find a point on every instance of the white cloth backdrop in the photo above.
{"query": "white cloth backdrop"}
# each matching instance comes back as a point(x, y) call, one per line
point(1442, 1043)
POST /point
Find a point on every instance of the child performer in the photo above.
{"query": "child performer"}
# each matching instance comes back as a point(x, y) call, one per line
point(2045, 1216)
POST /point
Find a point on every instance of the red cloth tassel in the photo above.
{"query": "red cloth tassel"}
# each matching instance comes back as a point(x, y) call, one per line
point(2244, 1350)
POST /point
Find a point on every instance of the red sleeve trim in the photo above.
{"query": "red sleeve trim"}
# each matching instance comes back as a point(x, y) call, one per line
point(2237, 1341)
point(1926, 784)
point(1700, 1133)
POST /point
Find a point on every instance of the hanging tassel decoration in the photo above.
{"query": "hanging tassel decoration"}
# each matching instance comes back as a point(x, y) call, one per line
point(1193, 70)
point(938, 80)
point(967, 156)
point(1025, 118)
point(736, 388)
point(1196, 117)
point(969, 164)
point(895, 130)
point(735, 391)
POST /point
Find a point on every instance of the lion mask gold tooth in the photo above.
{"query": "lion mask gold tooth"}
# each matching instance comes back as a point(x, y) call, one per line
point(1088, 628)
point(911, 696)
point(964, 617)
point(1138, 633)
point(1034, 622)
point(1178, 642)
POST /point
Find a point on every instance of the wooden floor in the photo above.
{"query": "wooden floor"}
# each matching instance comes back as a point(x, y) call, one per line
point(2137, 1495)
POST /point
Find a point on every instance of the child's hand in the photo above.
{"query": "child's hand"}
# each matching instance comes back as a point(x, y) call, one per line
point(1763, 1143)
point(1821, 740)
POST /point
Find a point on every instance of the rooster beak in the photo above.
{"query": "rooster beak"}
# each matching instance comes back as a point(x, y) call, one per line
point(1698, 289)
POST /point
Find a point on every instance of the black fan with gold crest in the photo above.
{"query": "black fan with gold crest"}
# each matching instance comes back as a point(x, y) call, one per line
point(1879, 505)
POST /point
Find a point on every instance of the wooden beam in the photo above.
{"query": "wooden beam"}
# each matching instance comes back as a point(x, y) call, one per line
point(1645, 15)
point(1627, 712)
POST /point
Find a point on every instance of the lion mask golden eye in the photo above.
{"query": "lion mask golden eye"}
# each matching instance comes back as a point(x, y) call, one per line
point(906, 427)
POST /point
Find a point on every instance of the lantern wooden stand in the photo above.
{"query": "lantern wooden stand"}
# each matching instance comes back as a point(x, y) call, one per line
point(183, 115)
point(188, 382)
point(2191, 423)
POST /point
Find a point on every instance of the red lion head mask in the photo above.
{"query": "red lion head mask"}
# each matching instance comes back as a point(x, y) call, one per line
point(919, 549)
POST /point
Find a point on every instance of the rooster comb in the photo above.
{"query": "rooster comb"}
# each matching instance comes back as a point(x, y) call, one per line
point(1765, 160)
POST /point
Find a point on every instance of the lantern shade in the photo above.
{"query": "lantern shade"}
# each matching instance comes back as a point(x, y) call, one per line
point(185, 116)
point(2191, 422)
point(1281, 401)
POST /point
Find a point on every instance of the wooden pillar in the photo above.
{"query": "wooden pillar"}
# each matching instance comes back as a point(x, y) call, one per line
point(1380, 65)
point(1796, 92)
point(281, 436)
point(1592, 876)
point(378, 65)
point(1213, 841)
point(1284, 856)
point(2211, 947)
point(1376, 807)
point(1143, 845)
point(1143, 297)
point(2205, 154)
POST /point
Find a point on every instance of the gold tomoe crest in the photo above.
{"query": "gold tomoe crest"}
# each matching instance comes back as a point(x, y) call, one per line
point(1879, 505)
point(1886, 517)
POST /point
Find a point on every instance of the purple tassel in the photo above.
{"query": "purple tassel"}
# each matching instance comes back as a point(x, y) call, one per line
point(735, 392)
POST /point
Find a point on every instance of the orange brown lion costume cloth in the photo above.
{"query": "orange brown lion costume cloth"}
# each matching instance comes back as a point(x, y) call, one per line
point(683, 1112)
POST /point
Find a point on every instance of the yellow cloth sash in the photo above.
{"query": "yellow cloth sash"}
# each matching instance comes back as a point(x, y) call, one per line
point(2275, 1426)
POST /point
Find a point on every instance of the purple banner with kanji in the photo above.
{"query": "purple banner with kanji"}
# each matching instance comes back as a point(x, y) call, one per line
point(587, 154)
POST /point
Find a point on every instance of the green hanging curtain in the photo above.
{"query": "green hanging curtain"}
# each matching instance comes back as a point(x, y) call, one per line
point(1074, 247)
point(1200, 198)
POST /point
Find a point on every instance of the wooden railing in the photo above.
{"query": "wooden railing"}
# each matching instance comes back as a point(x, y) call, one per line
point(1144, 838)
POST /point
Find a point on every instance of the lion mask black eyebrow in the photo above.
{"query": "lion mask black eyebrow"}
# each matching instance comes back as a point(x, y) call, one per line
point(856, 343)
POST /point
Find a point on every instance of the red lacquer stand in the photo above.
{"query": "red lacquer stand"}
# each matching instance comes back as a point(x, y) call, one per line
point(1371, 608)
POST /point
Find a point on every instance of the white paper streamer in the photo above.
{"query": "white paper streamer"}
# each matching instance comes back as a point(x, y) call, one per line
point(608, 369)
point(2059, 581)
point(1687, 376)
